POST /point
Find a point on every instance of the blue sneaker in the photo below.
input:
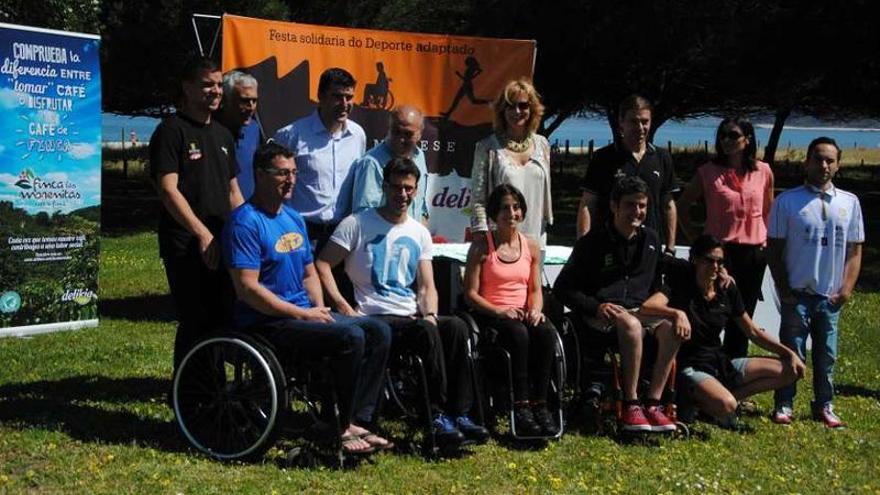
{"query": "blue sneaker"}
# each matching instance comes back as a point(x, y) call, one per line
point(471, 431)
point(445, 432)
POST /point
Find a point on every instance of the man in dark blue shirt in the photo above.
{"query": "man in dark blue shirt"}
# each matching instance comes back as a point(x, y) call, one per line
point(238, 113)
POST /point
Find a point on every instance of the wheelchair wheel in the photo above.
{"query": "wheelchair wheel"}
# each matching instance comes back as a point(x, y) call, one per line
point(404, 386)
point(229, 397)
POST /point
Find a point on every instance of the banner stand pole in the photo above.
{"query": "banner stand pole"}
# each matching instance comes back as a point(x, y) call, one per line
point(198, 36)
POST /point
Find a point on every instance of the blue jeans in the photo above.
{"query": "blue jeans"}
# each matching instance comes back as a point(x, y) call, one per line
point(814, 316)
point(371, 375)
point(357, 348)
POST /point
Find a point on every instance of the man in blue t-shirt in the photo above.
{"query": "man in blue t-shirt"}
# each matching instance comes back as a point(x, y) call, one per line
point(266, 247)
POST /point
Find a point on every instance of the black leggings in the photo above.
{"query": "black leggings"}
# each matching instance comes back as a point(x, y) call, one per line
point(531, 351)
point(747, 265)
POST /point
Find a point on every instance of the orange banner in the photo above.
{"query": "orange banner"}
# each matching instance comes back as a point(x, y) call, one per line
point(442, 75)
point(452, 79)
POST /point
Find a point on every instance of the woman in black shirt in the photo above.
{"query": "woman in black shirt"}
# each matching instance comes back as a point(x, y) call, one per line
point(693, 297)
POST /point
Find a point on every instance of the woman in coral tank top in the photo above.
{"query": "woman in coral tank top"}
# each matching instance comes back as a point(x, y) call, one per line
point(503, 286)
point(737, 190)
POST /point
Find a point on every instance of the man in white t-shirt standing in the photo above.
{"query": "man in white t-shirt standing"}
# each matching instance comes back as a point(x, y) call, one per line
point(816, 233)
point(386, 252)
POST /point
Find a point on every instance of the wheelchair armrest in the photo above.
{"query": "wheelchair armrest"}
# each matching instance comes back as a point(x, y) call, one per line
point(478, 335)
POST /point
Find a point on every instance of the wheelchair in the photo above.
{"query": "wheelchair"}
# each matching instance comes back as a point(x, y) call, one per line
point(597, 380)
point(494, 390)
point(232, 399)
point(406, 397)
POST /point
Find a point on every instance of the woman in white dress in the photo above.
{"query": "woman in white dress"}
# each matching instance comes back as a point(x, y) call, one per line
point(514, 154)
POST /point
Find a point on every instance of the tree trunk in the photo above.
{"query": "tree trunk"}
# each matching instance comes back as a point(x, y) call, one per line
point(656, 122)
point(613, 124)
point(773, 142)
point(547, 130)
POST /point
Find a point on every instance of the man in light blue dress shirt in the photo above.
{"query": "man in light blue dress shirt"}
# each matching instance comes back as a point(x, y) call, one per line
point(325, 144)
point(404, 133)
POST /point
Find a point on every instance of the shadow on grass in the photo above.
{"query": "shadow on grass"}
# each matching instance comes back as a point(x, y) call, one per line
point(856, 391)
point(151, 307)
point(93, 408)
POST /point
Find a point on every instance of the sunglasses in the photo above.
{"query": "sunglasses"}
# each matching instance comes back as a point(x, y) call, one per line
point(731, 135)
point(521, 106)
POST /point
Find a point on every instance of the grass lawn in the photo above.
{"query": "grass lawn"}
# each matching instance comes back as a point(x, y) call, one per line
point(84, 412)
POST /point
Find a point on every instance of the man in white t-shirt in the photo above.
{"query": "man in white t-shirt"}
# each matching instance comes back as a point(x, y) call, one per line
point(386, 253)
point(816, 233)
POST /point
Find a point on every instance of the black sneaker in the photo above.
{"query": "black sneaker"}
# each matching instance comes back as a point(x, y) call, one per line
point(471, 431)
point(545, 420)
point(525, 422)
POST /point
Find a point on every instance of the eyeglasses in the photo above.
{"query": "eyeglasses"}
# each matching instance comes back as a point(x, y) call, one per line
point(731, 135)
point(281, 172)
point(247, 101)
point(713, 260)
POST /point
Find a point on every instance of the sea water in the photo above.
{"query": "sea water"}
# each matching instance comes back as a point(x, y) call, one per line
point(691, 132)
point(695, 132)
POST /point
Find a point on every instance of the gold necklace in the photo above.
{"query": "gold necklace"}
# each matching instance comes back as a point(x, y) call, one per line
point(518, 146)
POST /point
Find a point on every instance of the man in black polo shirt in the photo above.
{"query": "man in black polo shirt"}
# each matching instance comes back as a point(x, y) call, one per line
point(610, 273)
point(632, 154)
point(193, 164)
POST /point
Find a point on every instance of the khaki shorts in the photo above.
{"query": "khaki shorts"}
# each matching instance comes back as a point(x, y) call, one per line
point(649, 323)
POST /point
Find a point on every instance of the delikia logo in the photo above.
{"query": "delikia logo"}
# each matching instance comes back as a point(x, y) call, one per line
point(288, 242)
point(79, 296)
point(10, 302)
point(25, 178)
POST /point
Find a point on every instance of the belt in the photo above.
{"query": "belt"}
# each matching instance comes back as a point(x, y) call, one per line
point(321, 228)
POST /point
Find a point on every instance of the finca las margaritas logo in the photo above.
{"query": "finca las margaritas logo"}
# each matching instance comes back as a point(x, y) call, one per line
point(54, 191)
point(25, 178)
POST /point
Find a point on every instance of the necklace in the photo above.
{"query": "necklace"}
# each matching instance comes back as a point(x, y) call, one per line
point(518, 146)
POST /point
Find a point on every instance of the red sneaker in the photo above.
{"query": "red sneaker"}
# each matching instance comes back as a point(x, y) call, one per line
point(826, 415)
point(782, 415)
point(634, 419)
point(658, 420)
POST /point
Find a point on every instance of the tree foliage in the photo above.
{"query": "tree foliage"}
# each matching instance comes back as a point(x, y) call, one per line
point(691, 58)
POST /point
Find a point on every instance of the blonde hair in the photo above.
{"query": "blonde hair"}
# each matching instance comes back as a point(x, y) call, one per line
point(505, 100)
